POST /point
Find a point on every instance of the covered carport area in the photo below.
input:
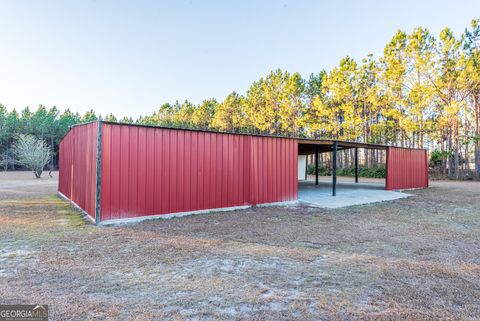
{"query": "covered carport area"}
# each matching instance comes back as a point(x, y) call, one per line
point(406, 168)
point(315, 147)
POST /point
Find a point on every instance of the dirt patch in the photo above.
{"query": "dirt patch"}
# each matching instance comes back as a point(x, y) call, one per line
point(411, 259)
point(22, 185)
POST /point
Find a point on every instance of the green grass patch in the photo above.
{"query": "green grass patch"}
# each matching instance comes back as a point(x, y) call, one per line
point(378, 171)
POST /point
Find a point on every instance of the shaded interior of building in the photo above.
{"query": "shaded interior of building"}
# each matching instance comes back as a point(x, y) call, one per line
point(334, 155)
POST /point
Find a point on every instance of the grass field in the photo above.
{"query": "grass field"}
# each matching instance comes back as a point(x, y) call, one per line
point(412, 259)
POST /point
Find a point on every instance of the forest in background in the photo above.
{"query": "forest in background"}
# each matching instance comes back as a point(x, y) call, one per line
point(423, 92)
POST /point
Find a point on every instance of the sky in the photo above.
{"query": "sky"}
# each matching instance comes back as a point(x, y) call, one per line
point(129, 57)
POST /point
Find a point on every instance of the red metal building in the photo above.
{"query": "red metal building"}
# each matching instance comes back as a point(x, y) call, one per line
point(77, 172)
point(121, 171)
point(406, 168)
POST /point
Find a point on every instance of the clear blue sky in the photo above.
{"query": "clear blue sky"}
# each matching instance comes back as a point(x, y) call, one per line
point(129, 57)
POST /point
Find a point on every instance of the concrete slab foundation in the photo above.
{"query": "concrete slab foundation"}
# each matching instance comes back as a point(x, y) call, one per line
point(348, 194)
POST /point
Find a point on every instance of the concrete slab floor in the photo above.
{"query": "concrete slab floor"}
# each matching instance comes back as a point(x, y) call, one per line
point(348, 194)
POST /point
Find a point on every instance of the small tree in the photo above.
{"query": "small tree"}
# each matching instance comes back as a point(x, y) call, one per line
point(32, 152)
point(6, 159)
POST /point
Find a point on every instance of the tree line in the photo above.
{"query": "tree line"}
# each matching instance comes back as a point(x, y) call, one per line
point(423, 92)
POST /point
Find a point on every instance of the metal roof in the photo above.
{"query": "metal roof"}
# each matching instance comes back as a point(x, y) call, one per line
point(323, 144)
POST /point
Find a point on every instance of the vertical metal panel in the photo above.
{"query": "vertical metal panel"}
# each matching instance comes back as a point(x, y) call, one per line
point(223, 170)
point(158, 173)
point(142, 170)
point(151, 171)
point(406, 168)
point(105, 199)
point(165, 171)
point(200, 171)
point(150, 148)
point(209, 190)
point(194, 190)
point(132, 169)
point(115, 168)
point(124, 168)
point(293, 177)
point(77, 170)
point(274, 170)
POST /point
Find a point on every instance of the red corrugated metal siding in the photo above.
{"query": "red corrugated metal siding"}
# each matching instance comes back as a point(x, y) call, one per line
point(65, 165)
point(273, 164)
point(150, 171)
point(77, 168)
point(406, 168)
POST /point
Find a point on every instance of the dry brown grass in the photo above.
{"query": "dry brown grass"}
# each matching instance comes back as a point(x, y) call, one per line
point(412, 259)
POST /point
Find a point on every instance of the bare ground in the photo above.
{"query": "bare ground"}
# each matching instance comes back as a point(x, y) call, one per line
point(412, 259)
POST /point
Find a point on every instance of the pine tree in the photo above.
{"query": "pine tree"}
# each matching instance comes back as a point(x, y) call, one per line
point(393, 76)
point(472, 48)
point(229, 115)
point(203, 114)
